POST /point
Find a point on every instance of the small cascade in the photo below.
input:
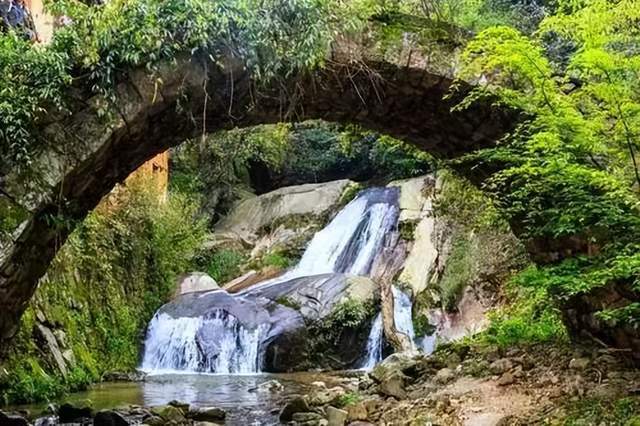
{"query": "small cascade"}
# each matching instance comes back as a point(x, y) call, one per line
point(373, 353)
point(402, 317)
point(402, 313)
point(218, 343)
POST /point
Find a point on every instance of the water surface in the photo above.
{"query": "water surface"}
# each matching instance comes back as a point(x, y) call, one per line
point(241, 396)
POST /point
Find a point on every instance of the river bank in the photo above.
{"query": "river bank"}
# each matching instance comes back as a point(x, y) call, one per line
point(470, 385)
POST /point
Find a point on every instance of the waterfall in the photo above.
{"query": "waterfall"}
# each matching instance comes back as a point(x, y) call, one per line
point(402, 313)
point(219, 343)
point(402, 317)
point(215, 344)
point(373, 353)
point(351, 241)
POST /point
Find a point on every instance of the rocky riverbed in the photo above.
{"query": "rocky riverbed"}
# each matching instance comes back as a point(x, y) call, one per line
point(457, 385)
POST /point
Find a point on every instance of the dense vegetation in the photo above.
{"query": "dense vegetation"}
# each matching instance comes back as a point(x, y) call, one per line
point(570, 171)
point(264, 158)
point(116, 269)
point(568, 176)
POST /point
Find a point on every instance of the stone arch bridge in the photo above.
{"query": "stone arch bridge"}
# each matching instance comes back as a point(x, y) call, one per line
point(89, 154)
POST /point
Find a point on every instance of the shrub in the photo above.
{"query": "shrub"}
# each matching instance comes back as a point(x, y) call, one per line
point(530, 318)
point(223, 265)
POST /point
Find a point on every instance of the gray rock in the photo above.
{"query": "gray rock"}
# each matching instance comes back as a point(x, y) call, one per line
point(501, 366)
point(311, 298)
point(336, 416)
point(154, 421)
point(184, 406)
point(357, 412)
point(579, 364)
point(506, 379)
point(11, 420)
point(444, 376)
point(306, 417)
point(46, 421)
point(421, 263)
point(68, 413)
point(395, 362)
point(270, 386)
point(195, 282)
point(109, 418)
point(252, 214)
point(52, 347)
point(393, 385)
point(207, 414)
point(323, 396)
point(169, 413)
point(296, 405)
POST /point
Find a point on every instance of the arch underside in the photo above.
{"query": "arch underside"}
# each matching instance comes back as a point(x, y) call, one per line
point(182, 101)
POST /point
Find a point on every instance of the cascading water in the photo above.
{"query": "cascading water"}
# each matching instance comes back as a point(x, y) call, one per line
point(402, 316)
point(351, 241)
point(180, 344)
point(221, 344)
point(373, 353)
point(402, 312)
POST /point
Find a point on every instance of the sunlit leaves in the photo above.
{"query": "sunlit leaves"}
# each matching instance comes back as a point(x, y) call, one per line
point(571, 171)
point(99, 44)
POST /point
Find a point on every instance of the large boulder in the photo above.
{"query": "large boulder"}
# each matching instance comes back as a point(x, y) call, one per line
point(249, 217)
point(414, 193)
point(12, 420)
point(283, 317)
point(50, 344)
point(194, 282)
point(399, 362)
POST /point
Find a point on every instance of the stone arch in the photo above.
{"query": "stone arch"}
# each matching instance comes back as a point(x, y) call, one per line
point(90, 153)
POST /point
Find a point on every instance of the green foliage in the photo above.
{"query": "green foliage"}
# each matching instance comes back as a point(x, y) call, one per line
point(99, 45)
point(458, 272)
point(438, 19)
point(32, 79)
point(529, 319)
point(570, 170)
point(116, 270)
point(277, 260)
point(11, 215)
point(212, 170)
point(421, 325)
point(349, 313)
point(467, 205)
point(350, 193)
point(222, 265)
point(288, 302)
point(407, 230)
point(330, 338)
point(309, 152)
point(389, 157)
point(349, 398)
point(623, 412)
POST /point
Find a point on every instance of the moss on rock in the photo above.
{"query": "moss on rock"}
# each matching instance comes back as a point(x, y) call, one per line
point(115, 270)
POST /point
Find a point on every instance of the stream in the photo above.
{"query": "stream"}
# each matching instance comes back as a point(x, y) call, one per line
point(241, 396)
